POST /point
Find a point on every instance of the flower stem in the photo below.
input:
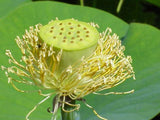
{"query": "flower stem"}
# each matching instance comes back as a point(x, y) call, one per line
point(70, 115)
point(82, 2)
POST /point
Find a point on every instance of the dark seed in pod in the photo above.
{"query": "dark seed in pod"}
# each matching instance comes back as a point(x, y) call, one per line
point(62, 28)
point(51, 31)
point(81, 39)
point(54, 37)
point(64, 41)
point(60, 23)
point(69, 23)
point(72, 42)
point(79, 25)
point(52, 27)
point(71, 28)
point(87, 35)
point(84, 28)
point(87, 31)
point(78, 31)
point(78, 36)
point(72, 37)
point(69, 33)
point(64, 38)
point(60, 33)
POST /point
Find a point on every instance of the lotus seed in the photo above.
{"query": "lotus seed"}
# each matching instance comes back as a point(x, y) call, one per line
point(64, 40)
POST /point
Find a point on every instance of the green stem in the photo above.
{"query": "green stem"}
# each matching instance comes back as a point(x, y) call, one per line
point(70, 115)
point(82, 2)
point(119, 5)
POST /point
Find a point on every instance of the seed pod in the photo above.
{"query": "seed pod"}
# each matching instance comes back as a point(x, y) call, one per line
point(74, 37)
point(69, 34)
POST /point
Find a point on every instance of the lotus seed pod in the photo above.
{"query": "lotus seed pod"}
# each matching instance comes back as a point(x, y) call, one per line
point(75, 38)
point(69, 34)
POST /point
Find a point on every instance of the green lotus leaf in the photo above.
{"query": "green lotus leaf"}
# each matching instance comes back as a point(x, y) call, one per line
point(141, 42)
point(7, 6)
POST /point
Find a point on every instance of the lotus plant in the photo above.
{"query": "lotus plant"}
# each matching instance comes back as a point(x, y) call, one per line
point(70, 59)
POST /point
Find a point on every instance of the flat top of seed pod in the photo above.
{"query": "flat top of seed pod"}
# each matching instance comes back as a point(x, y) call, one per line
point(69, 34)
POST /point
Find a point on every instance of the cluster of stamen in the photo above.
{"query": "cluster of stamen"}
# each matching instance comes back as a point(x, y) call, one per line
point(38, 61)
point(105, 68)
